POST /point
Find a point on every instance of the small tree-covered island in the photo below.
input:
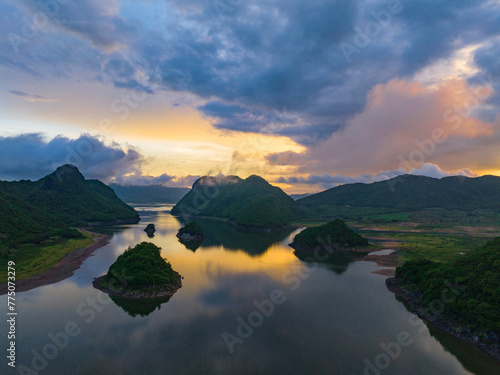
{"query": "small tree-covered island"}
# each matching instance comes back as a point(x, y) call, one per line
point(140, 272)
point(333, 236)
point(191, 232)
point(150, 230)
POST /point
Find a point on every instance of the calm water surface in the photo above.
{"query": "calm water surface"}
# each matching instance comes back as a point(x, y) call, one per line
point(331, 318)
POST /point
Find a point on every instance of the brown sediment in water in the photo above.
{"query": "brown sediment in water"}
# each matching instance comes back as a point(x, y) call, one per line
point(62, 270)
point(389, 260)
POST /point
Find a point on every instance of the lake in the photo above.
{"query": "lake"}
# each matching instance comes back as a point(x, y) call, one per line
point(248, 305)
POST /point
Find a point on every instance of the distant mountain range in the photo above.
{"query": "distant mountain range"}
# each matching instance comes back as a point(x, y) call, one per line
point(150, 193)
point(254, 202)
point(411, 192)
point(251, 202)
point(29, 211)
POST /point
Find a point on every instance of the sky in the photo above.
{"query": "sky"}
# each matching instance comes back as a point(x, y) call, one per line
point(307, 94)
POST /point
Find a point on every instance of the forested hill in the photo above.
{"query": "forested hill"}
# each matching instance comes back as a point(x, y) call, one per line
point(251, 202)
point(31, 211)
point(411, 192)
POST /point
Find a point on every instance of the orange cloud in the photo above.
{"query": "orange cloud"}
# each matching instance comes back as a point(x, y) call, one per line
point(402, 121)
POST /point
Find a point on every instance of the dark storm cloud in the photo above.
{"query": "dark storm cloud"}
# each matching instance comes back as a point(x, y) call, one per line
point(487, 59)
point(260, 60)
point(256, 58)
point(234, 117)
point(30, 156)
point(121, 73)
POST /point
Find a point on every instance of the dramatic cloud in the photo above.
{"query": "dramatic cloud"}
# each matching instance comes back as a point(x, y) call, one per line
point(251, 59)
point(346, 79)
point(403, 126)
point(141, 180)
point(138, 179)
point(486, 58)
point(326, 181)
point(30, 156)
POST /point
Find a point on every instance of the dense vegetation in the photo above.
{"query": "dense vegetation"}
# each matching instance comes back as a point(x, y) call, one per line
point(33, 212)
point(333, 233)
point(141, 267)
point(477, 274)
point(148, 194)
point(252, 202)
point(192, 228)
point(415, 192)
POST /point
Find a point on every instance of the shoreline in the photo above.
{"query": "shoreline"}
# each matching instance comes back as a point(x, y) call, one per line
point(63, 269)
point(391, 261)
point(445, 325)
point(332, 249)
point(244, 228)
point(138, 295)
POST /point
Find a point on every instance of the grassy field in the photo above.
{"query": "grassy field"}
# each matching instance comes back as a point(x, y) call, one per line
point(437, 246)
point(433, 234)
point(31, 259)
point(425, 218)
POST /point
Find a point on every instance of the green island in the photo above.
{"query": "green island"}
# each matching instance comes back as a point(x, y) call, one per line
point(150, 230)
point(140, 272)
point(191, 232)
point(334, 236)
point(39, 220)
point(191, 235)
